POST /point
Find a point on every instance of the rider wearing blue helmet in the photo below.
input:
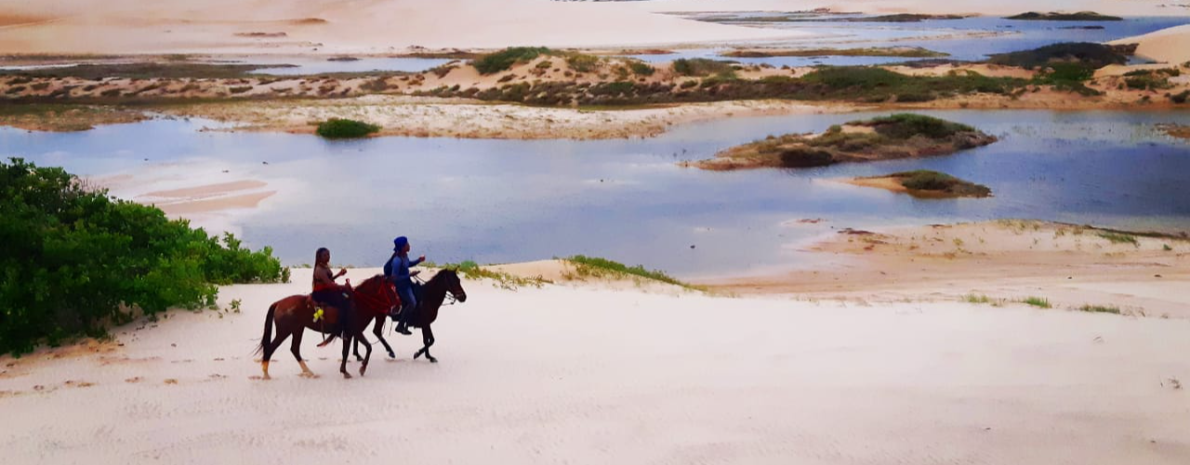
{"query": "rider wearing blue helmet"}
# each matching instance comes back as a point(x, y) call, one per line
point(397, 270)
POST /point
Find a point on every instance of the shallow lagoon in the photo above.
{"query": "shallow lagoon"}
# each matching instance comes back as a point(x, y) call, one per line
point(502, 201)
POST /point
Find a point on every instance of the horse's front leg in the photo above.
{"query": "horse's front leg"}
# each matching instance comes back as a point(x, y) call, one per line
point(378, 330)
point(427, 338)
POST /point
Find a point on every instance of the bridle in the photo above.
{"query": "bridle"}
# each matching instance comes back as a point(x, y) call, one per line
point(450, 295)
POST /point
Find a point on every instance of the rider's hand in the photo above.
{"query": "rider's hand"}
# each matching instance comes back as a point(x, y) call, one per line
point(342, 271)
point(421, 258)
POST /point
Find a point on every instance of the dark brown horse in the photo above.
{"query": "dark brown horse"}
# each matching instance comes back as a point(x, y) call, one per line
point(293, 314)
point(434, 293)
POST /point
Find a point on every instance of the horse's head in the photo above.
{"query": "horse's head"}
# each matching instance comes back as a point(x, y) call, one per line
point(453, 284)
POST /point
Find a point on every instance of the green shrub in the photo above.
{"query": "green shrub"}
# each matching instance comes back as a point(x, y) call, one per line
point(1100, 309)
point(1119, 238)
point(336, 128)
point(906, 125)
point(582, 63)
point(1087, 54)
point(703, 67)
point(641, 68)
point(1180, 98)
point(1039, 302)
point(74, 260)
point(602, 267)
point(503, 60)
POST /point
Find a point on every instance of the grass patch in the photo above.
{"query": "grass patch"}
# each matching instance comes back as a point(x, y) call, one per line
point(504, 60)
point(1100, 309)
point(470, 269)
point(700, 67)
point(1088, 54)
point(1039, 302)
point(596, 267)
point(336, 128)
point(934, 181)
point(905, 52)
point(1119, 238)
point(641, 68)
point(980, 299)
point(582, 62)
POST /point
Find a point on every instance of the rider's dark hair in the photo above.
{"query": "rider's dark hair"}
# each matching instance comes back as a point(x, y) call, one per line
point(318, 253)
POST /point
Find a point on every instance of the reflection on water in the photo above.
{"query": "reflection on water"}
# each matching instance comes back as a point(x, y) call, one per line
point(969, 39)
point(500, 200)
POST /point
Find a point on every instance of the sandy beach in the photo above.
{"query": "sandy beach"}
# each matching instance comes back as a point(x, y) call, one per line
point(591, 375)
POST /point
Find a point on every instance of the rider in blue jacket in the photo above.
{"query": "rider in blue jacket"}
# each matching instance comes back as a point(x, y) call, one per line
point(397, 270)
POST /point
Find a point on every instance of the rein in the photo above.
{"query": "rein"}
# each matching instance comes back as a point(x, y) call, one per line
point(449, 298)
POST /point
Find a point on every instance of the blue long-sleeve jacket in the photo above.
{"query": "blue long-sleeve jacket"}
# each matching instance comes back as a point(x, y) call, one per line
point(400, 271)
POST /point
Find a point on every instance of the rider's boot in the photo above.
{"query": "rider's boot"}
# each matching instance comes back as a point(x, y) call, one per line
point(402, 328)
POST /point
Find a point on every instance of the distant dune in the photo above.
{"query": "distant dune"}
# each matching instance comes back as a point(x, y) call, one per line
point(1169, 45)
point(379, 26)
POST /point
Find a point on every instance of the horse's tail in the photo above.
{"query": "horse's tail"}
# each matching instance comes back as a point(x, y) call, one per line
point(268, 329)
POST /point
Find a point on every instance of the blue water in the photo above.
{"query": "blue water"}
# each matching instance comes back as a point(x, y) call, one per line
point(320, 65)
point(502, 200)
point(937, 35)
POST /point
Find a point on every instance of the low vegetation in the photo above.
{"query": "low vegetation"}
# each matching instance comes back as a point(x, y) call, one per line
point(1058, 16)
point(1100, 309)
point(905, 52)
point(1039, 302)
point(1151, 79)
point(700, 67)
point(504, 60)
point(77, 261)
point(933, 182)
point(904, 18)
point(1119, 238)
point(595, 267)
point(1086, 54)
point(885, 138)
point(471, 270)
point(337, 128)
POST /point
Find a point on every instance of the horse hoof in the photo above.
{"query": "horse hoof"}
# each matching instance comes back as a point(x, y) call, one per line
point(362, 370)
point(416, 355)
point(346, 375)
point(392, 355)
point(309, 374)
point(432, 359)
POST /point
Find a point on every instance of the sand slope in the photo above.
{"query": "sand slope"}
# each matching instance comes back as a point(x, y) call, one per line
point(373, 26)
point(1168, 45)
point(592, 376)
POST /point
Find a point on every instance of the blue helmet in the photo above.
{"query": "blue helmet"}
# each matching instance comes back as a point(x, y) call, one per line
point(400, 243)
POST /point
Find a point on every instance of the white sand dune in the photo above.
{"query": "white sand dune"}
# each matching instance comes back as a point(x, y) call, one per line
point(381, 26)
point(597, 376)
point(1167, 45)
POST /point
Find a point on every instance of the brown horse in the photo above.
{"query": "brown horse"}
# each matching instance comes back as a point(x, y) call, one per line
point(293, 314)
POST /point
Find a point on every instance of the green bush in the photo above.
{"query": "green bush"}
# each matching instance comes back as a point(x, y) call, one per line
point(641, 68)
point(906, 125)
point(1088, 54)
point(336, 128)
point(1180, 98)
point(503, 60)
point(703, 67)
point(74, 260)
point(582, 63)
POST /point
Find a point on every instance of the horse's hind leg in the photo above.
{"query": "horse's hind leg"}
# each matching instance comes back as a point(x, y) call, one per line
point(357, 357)
point(282, 333)
point(379, 332)
point(296, 348)
point(347, 339)
point(367, 352)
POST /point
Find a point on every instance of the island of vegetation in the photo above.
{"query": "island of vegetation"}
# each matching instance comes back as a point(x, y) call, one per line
point(904, 18)
point(1058, 16)
point(905, 52)
point(925, 184)
point(886, 138)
